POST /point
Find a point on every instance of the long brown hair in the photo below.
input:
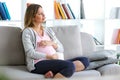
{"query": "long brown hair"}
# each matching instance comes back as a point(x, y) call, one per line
point(30, 13)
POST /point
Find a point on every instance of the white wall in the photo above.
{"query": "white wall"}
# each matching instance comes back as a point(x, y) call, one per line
point(94, 27)
point(94, 9)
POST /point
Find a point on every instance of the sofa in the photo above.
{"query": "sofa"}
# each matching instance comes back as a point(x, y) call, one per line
point(76, 43)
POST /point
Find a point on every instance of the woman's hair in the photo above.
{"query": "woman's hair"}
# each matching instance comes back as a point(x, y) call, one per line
point(30, 13)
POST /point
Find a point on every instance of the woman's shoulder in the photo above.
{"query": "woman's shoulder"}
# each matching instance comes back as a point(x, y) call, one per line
point(49, 30)
point(27, 30)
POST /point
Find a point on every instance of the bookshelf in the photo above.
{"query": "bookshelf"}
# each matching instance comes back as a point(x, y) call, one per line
point(50, 15)
point(112, 21)
point(96, 21)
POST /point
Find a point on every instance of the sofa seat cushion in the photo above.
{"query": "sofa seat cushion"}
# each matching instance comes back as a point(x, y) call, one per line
point(110, 69)
point(19, 73)
point(69, 36)
point(86, 73)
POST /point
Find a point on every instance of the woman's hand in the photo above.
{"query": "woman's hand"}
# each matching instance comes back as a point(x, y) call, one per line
point(44, 43)
point(53, 56)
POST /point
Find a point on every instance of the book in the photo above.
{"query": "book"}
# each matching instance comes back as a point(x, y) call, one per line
point(71, 11)
point(2, 12)
point(56, 11)
point(70, 14)
point(61, 11)
point(66, 11)
point(6, 10)
point(0, 17)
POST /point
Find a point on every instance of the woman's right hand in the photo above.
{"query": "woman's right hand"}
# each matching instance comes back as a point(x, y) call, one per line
point(53, 56)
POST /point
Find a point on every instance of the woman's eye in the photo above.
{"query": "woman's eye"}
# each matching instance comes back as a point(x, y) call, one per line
point(40, 14)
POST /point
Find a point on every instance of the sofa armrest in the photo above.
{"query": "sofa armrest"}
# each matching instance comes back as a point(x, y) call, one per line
point(99, 47)
point(88, 43)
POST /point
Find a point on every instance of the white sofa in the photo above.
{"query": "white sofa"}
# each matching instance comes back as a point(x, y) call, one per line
point(76, 43)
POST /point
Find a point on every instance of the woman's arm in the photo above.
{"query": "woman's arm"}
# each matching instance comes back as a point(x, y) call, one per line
point(28, 40)
point(44, 43)
point(57, 44)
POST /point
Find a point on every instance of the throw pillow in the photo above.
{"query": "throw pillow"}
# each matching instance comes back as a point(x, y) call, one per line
point(101, 55)
point(97, 64)
point(69, 36)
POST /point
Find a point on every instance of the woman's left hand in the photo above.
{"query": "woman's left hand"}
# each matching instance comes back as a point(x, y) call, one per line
point(44, 43)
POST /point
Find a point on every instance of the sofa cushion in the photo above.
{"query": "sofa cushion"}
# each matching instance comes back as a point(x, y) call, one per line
point(69, 36)
point(110, 69)
point(88, 43)
point(97, 64)
point(19, 73)
point(86, 73)
point(101, 55)
point(11, 49)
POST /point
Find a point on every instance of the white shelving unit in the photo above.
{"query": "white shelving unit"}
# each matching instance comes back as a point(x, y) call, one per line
point(48, 7)
point(15, 13)
point(96, 22)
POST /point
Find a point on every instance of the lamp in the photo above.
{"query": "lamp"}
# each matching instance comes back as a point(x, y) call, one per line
point(116, 40)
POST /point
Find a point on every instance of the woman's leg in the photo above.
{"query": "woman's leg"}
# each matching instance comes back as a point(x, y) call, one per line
point(59, 68)
point(80, 63)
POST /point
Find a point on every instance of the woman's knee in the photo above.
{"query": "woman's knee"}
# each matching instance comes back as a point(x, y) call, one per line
point(68, 70)
point(85, 61)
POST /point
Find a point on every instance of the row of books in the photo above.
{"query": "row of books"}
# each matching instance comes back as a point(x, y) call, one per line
point(4, 13)
point(63, 11)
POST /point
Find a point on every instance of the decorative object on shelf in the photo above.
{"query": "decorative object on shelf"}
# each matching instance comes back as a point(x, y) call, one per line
point(115, 13)
point(82, 13)
point(116, 36)
point(116, 41)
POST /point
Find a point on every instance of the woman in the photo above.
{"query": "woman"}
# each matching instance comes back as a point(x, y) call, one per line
point(41, 47)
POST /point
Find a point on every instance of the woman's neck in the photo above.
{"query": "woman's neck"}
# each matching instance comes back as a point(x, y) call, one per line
point(39, 30)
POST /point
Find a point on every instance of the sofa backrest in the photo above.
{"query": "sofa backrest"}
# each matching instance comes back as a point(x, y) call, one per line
point(11, 48)
point(88, 43)
point(70, 37)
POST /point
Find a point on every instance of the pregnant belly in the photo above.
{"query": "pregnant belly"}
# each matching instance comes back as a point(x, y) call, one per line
point(47, 50)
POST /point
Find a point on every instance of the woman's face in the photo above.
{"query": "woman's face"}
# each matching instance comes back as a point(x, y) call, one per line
point(40, 16)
